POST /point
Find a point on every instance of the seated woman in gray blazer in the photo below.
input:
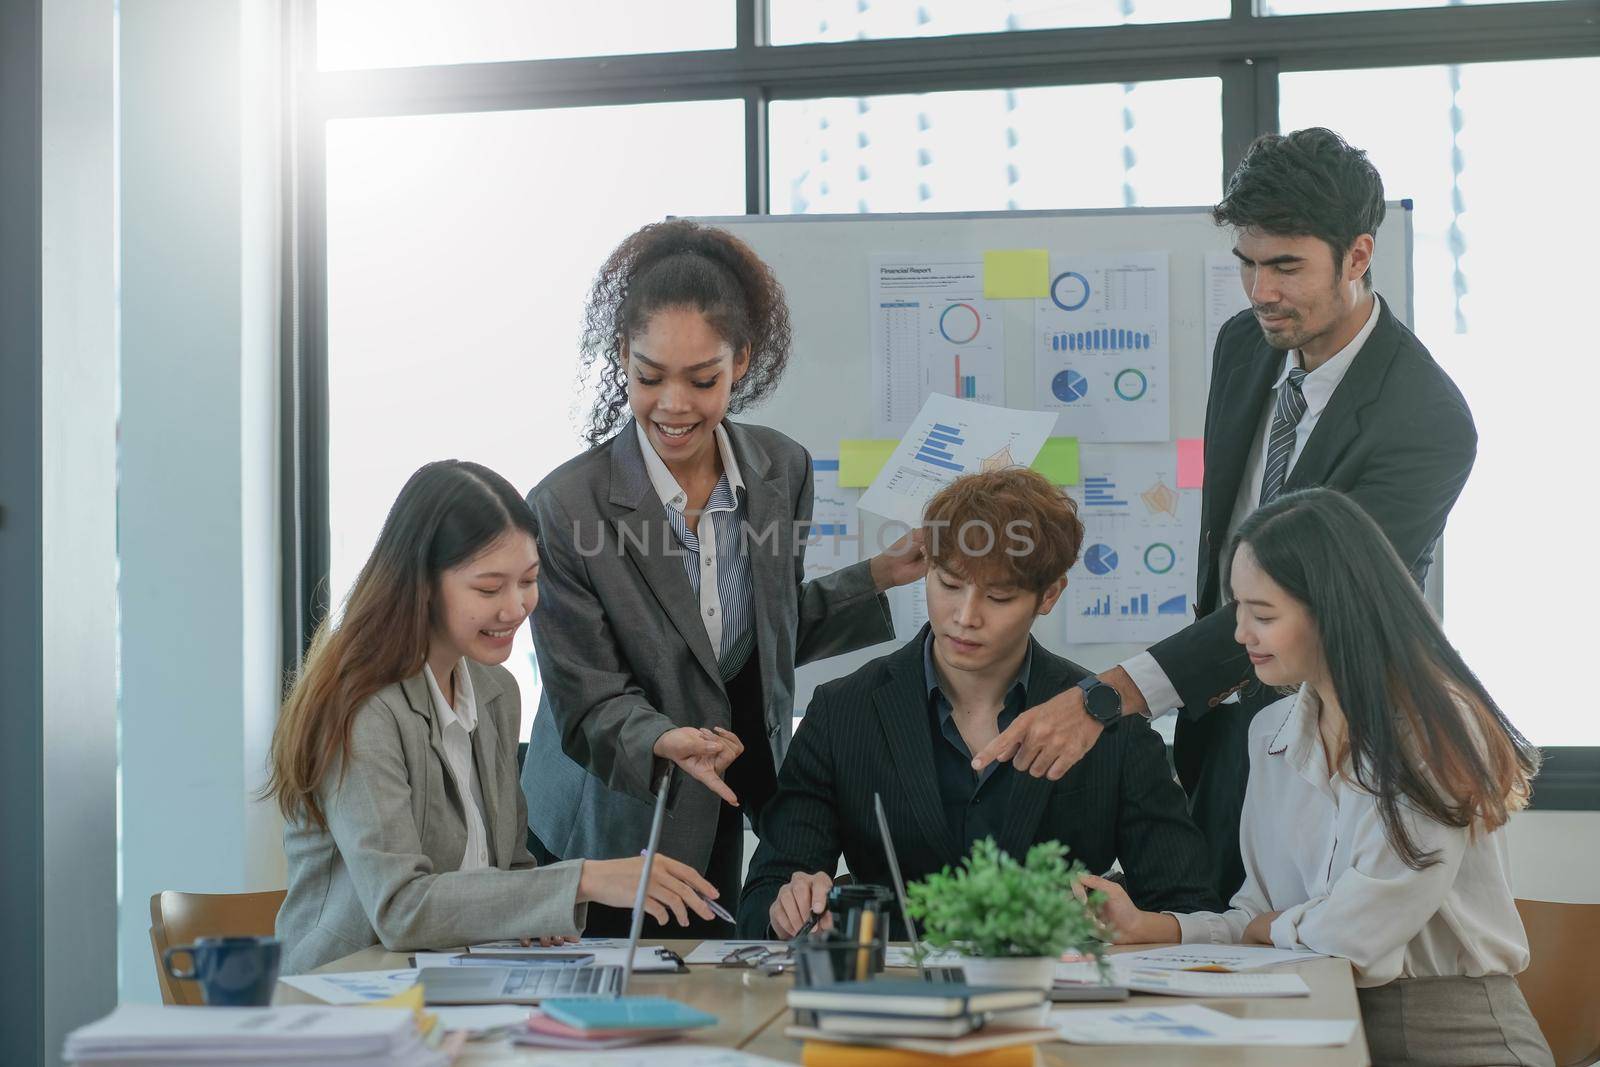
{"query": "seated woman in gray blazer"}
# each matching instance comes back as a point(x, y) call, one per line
point(676, 605)
point(394, 759)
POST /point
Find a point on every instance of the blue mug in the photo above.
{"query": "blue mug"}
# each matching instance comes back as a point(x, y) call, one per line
point(232, 971)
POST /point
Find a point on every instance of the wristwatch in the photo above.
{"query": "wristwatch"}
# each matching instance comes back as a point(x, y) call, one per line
point(1102, 701)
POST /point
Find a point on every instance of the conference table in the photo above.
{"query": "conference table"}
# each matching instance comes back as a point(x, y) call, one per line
point(752, 1012)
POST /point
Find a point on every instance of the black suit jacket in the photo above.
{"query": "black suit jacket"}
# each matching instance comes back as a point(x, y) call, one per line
point(1397, 438)
point(871, 732)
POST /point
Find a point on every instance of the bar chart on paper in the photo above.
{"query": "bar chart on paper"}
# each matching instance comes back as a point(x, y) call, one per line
point(936, 447)
point(948, 438)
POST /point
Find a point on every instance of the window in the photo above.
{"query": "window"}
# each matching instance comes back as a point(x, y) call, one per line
point(1079, 146)
point(1319, 7)
point(1503, 184)
point(460, 251)
point(465, 213)
point(354, 34)
point(800, 21)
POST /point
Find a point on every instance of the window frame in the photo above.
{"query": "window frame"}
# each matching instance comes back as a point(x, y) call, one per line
point(1247, 51)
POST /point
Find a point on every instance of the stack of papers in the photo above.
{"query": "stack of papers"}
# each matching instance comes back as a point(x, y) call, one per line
point(612, 950)
point(1192, 1024)
point(147, 1035)
point(1222, 958)
point(1182, 983)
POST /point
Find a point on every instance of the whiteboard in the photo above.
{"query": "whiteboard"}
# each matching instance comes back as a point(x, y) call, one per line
point(825, 395)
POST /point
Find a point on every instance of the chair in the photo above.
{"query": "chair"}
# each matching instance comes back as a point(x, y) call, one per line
point(1562, 982)
point(180, 918)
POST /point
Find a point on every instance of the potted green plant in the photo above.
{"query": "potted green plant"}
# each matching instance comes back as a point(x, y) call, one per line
point(1009, 921)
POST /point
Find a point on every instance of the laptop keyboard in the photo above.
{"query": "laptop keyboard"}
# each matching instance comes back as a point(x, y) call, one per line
point(563, 981)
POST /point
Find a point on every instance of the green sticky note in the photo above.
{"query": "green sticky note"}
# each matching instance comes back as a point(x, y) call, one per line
point(1016, 274)
point(1058, 460)
point(860, 461)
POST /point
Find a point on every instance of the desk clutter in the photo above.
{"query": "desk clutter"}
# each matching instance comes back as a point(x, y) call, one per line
point(153, 1035)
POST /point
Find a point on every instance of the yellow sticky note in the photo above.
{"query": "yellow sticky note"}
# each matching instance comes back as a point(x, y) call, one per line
point(860, 461)
point(1016, 274)
point(1058, 460)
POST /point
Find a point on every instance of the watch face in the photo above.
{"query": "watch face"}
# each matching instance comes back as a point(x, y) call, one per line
point(1103, 702)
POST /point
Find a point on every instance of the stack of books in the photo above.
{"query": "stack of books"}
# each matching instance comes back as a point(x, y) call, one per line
point(890, 1022)
point(154, 1035)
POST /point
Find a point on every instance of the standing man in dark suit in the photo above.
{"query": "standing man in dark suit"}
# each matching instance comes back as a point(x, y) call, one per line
point(905, 726)
point(1317, 384)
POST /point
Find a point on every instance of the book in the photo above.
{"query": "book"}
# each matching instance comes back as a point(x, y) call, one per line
point(895, 996)
point(596, 1015)
point(828, 1054)
point(839, 1022)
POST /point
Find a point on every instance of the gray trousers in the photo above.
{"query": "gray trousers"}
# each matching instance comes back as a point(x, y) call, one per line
point(1452, 1022)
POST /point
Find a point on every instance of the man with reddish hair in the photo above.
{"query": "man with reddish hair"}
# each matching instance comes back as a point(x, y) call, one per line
point(906, 726)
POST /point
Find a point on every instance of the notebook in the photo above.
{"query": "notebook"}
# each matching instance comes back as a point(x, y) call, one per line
point(896, 996)
point(630, 1013)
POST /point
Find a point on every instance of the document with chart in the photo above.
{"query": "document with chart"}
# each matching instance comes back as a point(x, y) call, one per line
point(949, 438)
point(1100, 349)
point(1224, 299)
point(932, 334)
point(1135, 576)
point(834, 542)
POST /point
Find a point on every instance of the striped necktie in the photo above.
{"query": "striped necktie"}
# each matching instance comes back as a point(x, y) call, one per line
point(1280, 445)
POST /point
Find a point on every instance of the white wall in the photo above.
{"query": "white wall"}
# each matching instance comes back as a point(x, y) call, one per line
point(79, 409)
point(1555, 855)
point(198, 506)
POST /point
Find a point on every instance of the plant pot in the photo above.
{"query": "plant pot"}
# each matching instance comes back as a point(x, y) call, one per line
point(1017, 972)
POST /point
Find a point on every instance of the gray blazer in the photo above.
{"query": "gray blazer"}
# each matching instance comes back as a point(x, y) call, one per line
point(387, 868)
point(624, 656)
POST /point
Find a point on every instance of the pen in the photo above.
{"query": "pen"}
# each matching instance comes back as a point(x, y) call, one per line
point(716, 909)
point(806, 928)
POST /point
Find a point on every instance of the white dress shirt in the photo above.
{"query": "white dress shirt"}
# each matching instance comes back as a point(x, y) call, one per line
point(1317, 387)
point(673, 497)
point(1314, 849)
point(456, 725)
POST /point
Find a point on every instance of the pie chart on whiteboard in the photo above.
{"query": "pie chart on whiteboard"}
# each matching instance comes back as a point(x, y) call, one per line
point(1100, 559)
point(1069, 385)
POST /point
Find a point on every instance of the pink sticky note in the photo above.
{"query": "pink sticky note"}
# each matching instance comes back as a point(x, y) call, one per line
point(1191, 462)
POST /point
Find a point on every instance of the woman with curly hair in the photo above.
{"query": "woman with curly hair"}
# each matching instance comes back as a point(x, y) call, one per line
point(675, 604)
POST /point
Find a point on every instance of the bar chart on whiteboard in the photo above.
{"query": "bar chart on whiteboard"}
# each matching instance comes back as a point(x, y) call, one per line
point(933, 333)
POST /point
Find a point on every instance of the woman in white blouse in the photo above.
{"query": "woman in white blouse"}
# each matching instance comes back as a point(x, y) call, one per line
point(1372, 822)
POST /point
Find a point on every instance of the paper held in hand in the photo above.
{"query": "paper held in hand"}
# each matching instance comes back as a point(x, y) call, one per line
point(947, 439)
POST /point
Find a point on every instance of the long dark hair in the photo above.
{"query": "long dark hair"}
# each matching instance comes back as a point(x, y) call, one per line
point(682, 264)
point(1421, 726)
point(447, 513)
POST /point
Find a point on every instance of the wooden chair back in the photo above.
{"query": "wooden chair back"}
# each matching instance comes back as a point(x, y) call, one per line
point(1562, 982)
point(180, 918)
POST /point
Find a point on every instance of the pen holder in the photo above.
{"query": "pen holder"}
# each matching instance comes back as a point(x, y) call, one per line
point(826, 960)
point(861, 914)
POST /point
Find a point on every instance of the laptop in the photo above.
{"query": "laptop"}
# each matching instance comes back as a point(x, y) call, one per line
point(529, 983)
point(929, 974)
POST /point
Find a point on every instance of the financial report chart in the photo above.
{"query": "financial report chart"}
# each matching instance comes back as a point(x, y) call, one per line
point(936, 448)
point(1137, 606)
point(1101, 492)
point(1108, 339)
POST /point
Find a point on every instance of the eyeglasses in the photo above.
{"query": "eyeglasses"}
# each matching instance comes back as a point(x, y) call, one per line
point(767, 960)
